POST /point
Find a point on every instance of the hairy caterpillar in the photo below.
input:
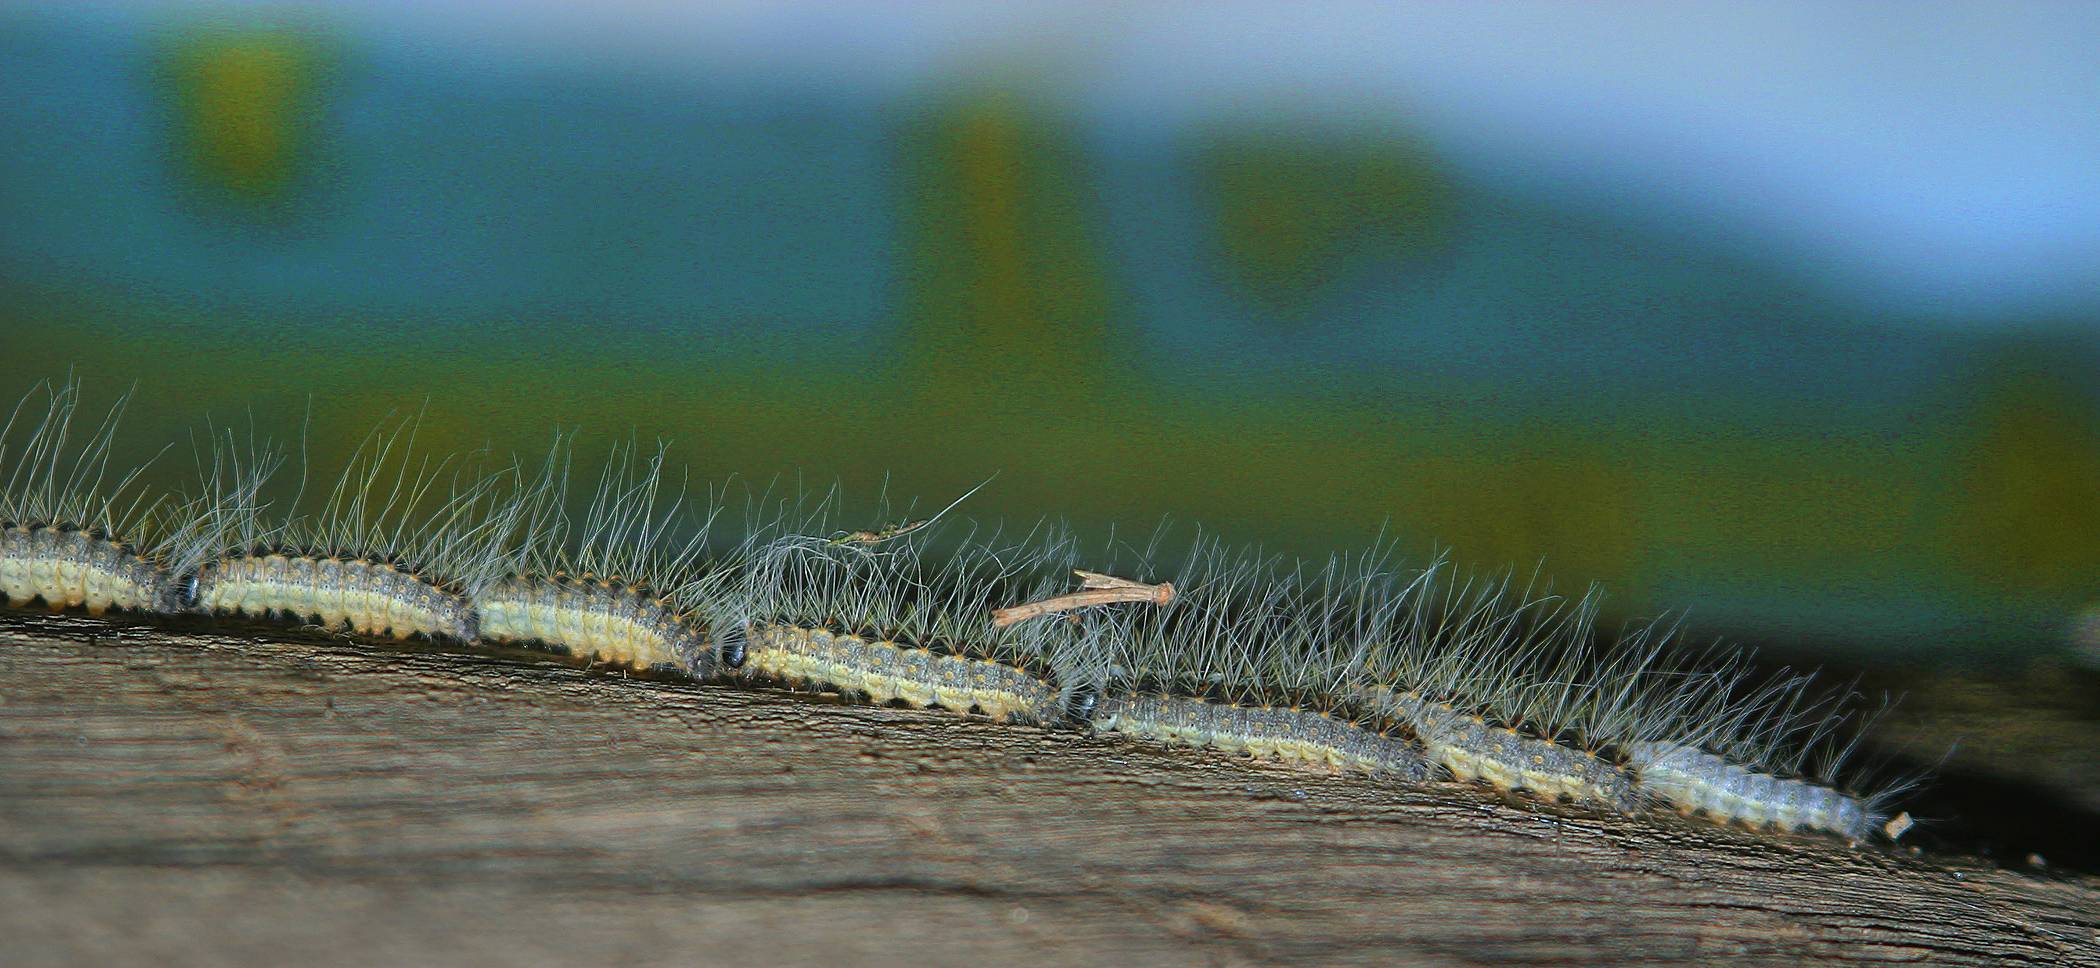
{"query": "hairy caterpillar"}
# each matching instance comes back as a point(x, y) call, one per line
point(885, 670)
point(876, 615)
point(1297, 736)
point(1705, 783)
point(1770, 756)
point(1504, 688)
point(386, 554)
point(1243, 661)
point(70, 537)
point(600, 599)
point(60, 521)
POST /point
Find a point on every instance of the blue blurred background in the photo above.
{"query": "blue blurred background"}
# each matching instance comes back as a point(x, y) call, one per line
point(1784, 314)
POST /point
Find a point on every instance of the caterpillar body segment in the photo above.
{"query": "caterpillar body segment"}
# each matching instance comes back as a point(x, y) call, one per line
point(368, 597)
point(1305, 738)
point(609, 622)
point(888, 671)
point(69, 568)
point(1704, 784)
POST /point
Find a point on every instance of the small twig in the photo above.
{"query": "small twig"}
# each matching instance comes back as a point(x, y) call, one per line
point(878, 537)
point(1095, 579)
point(1101, 590)
point(872, 538)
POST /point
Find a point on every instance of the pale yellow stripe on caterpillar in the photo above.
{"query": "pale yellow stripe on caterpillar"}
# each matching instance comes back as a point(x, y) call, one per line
point(368, 597)
point(1475, 750)
point(1299, 737)
point(609, 622)
point(69, 568)
point(887, 671)
point(1698, 783)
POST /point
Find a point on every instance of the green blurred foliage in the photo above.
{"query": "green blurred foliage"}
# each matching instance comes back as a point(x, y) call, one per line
point(1299, 211)
point(2026, 516)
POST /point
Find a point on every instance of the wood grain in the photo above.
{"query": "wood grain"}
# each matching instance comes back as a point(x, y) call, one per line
point(193, 796)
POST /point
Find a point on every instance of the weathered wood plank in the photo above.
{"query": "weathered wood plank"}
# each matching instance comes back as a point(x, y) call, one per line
point(194, 797)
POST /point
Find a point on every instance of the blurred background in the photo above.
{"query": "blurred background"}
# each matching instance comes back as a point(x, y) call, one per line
point(1786, 315)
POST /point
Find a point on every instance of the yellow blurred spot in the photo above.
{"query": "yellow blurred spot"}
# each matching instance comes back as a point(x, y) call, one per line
point(243, 102)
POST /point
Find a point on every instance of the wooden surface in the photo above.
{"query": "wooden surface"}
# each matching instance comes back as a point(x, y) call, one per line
point(198, 797)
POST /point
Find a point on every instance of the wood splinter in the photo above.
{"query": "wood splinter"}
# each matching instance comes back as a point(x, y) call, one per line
point(1100, 590)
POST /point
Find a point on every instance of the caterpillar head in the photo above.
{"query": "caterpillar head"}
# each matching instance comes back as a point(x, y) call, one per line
point(731, 653)
point(182, 592)
point(1078, 704)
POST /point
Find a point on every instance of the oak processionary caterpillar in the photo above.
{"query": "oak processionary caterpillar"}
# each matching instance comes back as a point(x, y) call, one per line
point(377, 557)
point(1698, 782)
point(600, 601)
point(1355, 665)
point(59, 523)
point(69, 536)
point(1243, 660)
point(874, 614)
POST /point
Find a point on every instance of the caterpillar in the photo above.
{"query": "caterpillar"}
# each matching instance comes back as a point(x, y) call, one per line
point(1773, 755)
point(1294, 735)
point(1487, 675)
point(387, 553)
point(614, 597)
point(1244, 661)
point(874, 614)
point(71, 537)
